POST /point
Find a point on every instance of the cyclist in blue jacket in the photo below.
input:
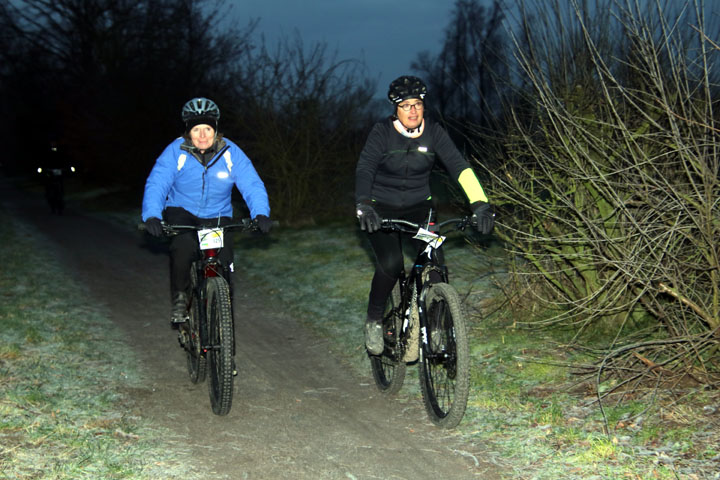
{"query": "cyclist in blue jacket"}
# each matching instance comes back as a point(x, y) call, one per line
point(191, 183)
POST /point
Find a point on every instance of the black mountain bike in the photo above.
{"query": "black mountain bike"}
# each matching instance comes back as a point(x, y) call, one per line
point(424, 321)
point(208, 335)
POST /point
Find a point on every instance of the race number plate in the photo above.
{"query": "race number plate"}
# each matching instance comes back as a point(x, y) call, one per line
point(210, 238)
point(432, 239)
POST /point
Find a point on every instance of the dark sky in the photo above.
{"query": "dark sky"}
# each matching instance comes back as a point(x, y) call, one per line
point(386, 34)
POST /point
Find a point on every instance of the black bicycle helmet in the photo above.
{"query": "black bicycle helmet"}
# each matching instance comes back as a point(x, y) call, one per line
point(200, 110)
point(405, 87)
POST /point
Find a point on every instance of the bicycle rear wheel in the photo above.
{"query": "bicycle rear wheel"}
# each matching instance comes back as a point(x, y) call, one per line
point(220, 345)
point(445, 362)
point(196, 360)
point(388, 369)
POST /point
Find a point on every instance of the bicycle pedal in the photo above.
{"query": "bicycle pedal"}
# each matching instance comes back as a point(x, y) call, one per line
point(177, 322)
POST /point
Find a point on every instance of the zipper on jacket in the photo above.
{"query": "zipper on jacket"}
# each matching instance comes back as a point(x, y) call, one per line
point(212, 162)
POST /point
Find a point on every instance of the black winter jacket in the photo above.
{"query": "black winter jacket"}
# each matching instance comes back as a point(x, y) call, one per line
point(394, 170)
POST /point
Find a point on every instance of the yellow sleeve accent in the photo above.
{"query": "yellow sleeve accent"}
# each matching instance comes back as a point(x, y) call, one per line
point(470, 184)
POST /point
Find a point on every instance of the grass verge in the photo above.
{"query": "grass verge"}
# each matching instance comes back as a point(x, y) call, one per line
point(64, 378)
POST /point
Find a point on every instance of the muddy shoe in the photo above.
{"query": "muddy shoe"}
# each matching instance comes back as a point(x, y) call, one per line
point(374, 337)
point(179, 310)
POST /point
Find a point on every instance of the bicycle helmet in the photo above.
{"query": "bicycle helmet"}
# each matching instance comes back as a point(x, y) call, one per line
point(199, 111)
point(405, 87)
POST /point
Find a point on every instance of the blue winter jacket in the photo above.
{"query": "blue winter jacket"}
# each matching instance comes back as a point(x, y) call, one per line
point(179, 179)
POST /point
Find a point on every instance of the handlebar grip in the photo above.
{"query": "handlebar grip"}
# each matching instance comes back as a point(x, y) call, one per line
point(253, 224)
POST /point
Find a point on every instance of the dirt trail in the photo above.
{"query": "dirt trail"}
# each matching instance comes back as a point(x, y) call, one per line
point(297, 412)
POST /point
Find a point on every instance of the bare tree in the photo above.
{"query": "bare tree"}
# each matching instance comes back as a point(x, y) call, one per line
point(462, 78)
point(100, 73)
point(109, 76)
point(304, 116)
point(611, 182)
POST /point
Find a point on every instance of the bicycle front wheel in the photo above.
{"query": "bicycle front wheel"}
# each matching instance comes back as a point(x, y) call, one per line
point(445, 362)
point(220, 345)
point(196, 360)
point(389, 369)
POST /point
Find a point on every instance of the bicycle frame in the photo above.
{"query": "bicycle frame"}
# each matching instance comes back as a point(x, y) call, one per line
point(414, 280)
point(208, 266)
point(418, 277)
point(436, 338)
point(211, 264)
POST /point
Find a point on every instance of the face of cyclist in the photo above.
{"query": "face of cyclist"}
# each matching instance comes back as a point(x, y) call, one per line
point(202, 136)
point(411, 118)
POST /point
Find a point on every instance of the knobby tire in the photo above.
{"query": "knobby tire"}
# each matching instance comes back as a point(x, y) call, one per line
point(220, 341)
point(444, 362)
point(196, 360)
point(388, 368)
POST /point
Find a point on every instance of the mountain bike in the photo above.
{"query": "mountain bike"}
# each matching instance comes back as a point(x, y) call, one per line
point(424, 321)
point(208, 335)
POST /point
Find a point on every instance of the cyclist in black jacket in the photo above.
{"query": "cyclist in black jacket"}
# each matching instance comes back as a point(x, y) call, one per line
point(392, 180)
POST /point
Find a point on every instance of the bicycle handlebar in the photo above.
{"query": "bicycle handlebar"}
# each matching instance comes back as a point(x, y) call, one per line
point(244, 224)
point(407, 226)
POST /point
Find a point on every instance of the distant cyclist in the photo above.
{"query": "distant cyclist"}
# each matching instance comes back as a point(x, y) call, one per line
point(54, 169)
point(191, 183)
point(392, 180)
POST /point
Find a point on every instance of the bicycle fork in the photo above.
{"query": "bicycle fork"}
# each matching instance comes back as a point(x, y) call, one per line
point(431, 336)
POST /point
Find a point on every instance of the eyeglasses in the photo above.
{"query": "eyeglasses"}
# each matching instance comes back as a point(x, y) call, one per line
point(409, 106)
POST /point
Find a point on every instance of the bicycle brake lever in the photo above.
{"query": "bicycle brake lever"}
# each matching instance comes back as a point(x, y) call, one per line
point(463, 224)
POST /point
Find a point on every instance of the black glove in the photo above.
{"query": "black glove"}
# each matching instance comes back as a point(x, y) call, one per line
point(368, 217)
point(264, 223)
point(483, 217)
point(153, 226)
